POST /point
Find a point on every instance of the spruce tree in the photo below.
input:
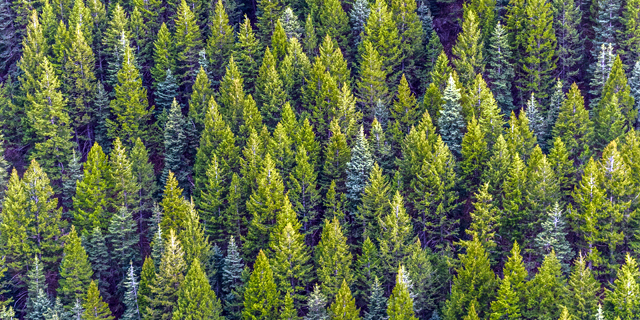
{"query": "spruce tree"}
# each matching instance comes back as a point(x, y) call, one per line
point(94, 307)
point(400, 305)
point(405, 111)
point(574, 127)
point(219, 43)
point(506, 305)
point(124, 239)
point(120, 177)
point(600, 72)
point(144, 177)
point(367, 267)
point(629, 35)
point(291, 267)
point(358, 16)
point(37, 300)
point(375, 202)
point(330, 20)
point(196, 300)
point(192, 237)
point(623, 301)
point(634, 84)
point(270, 92)
point(174, 206)
point(261, 296)
point(72, 175)
point(344, 305)
point(188, 43)
point(450, 122)
point(201, 93)
point(606, 22)
point(484, 218)
point(114, 43)
point(469, 47)
point(288, 311)
point(147, 277)
point(296, 67)
point(34, 50)
point(335, 166)
point(377, 303)
point(333, 258)
point(372, 86)
point(410, 30)
point(617, 86)
point(166, 92)
point(130, 106)
point(279, 41)
point(358, 169)
point(552, 237)
point(100, 260)
point(395, 238)
point(174, 146)
point(163, 55)
point(537, 123)
point(232, 282)
point(75, 271)
point(474, 282)
point(382, 33)
point(474, 156)
point(304, 193)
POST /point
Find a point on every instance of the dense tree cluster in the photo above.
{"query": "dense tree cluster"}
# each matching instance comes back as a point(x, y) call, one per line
point(347, 160)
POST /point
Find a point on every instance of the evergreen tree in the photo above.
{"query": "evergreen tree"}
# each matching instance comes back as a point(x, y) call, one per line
point(130, 106)
point(566, 22)
point(124, 239)
point(358, 16)
point(34, 50)
point(131, 297)
point(396, 237)
point(94, 307)
point(606, 22)
point(628, 36)
point(372, 87)
point(552, 237)
point(270, 93)
point(474, 156)
point(335, 165)
point(121, 179)
point(147, 277)
point(484, 218)
point(583, 290)
point(537, 123)
point(377, 302)
point(405, 111)
point(539, 41)
point(196, 300)
point(188, 44)
point(382, 33)
point(90, 203)
point(296, 66)
point(634, 84)
point(288, 311)
point(600, 72)
point(344, 306)
point(400, 304)
point(410, 30)
point(331, 20)
point(163, 55)
point(474, 283)
point(574, 127)
point(506, 305)
point(232, 283)
point(617, 86)
point(46, 110)
point(174, 206)
point(333, 258)
point(358, 169)
point(220, 42)
point(75, 271)
point(450, 121)
point(269, 14)
point(366, 269)
point(101, 104)
point(201, 93)
point(114, 43)
point(501, 71)
point(195, 243)
point(69, 181)
point(469, 47)
point(144, 177)
point(375, 202)
point(174, 146)
point(247, 53)
point(166, 285)
point(37, 300)
point(166, 92)
point(290, 263)
point(317, 305)
point(261, 296)
point(100, 260)
point(304, 193)
point(546, 289)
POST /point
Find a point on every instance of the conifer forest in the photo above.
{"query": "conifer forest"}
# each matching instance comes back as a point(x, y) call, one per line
point(320, 159)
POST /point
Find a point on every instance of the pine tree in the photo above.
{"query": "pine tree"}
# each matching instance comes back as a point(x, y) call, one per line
point(166, 285)
point(147, 277)
point(501, 71)
point(514, 269)
point(247, 53)
point(220, 42)
point(555, 103)
point(570, 49)
point(114, 43)
point(94, 307)
point(335, 166)
point(546, 289)
point(75, 271)
point(34, 50)
point(400, 305)
point(377, 302)
point(270, 93)
point(69, 181)
point(188, 43)
point(291, 24)
point(196, 300)
point(552, 237)
point(330, 20)
point(288, 311)
point(261, 296)
point(405, 111)
point(574, 127)
point(474, 282)
point(163, 55)
point(195, 243)
point(583, 290)
point(121, 179)
point(375, 202)
point(232, 283)
point(317, 305)
point(450, 121)
point(333, 258)
point(201, 93)
point(358, 16)
point(629, 34)
point(102, 112)
point(617, 86)
point(296, 66)
point(131, 297)
point(270, 12)
point(367, 268)
point(130, 106)
point(484, 218)
point(469, 47)
point(45, 109)
point(90, 203)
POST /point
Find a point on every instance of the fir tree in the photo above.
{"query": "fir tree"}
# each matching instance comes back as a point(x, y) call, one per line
point(166, 285)
point(411, 36)
point(335, 166)
point(617, 86)
point(34, 50)
point(570, 49)
point(552, 237)
point(600, 72)
point(468, 48)
point(269, 91)
point(261, 296)
point(358, 169)
point(69, 181)
point(196, 300)
point(474, 156)
point(279, 41)
point(174, 146)
point(304, 194)
point(396, 237)
point(100, 260)
point(37, 300)
point(174, 206)
point(310, 37)
point(46, 110)
point(101, 104)
point(166, 91)
point(634, 84)
point(606, 22)
point(75, 271)
point(130, 106)
point(232, 283)
point(500, 69)
point(188, 44)
point(405, 111)
point(358, 16)
point(124, 239)
point(220, 42)
point(90, 202)
point(94, 307)
point(291, 262)
point(296, 66)
point(574, 127)
point(377, 302)
point(195, 243)
point(537, 124)
point(121, 179)
point(147, 277)
point(331, 20)
point(372, 87)
point(382, 33)
point(506, 305)
point(546, 289)
point(474, 282)
point(366, 269)
point(375, 202)
point(484, 218)
point(583, 290)
point(344, 306)
point(247, 53)
point(333, 258)
point(270, 11)
point(450, 121)
point(400, 304)
point(144, 176)
point(114, 43)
